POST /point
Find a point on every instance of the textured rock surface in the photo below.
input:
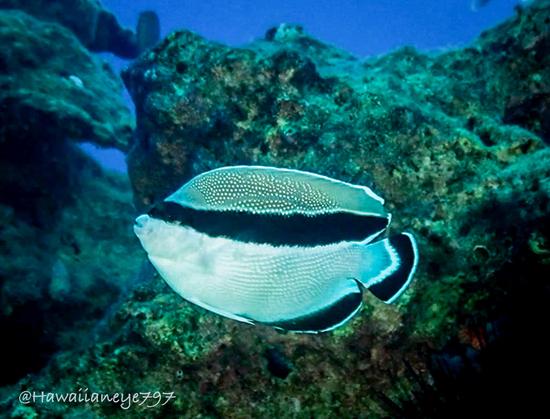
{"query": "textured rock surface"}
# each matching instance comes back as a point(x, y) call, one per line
point(96, 28)
point(62, 269)
point(431, 135)
point(295, 101)
point(51, 87)
point(66, 246)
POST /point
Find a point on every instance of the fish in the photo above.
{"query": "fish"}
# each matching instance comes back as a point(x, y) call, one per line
point(147, 30)
point(280, 247)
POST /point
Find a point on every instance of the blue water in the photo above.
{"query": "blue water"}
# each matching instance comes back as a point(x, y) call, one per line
point(109, 158)
point(361, 27)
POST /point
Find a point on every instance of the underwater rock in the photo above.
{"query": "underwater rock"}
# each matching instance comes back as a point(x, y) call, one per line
point(426, 131)
point(65, 242)
point(65, 245)
point(254, 105)
point(60, 284)
point(506, 72)
point(290, 100)
point(52, 87)
point(59, 278)
point(97, 28)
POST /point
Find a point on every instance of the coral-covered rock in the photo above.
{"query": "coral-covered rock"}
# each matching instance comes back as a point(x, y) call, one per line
point(95, 27)
point(52, 87)
point(293, 101)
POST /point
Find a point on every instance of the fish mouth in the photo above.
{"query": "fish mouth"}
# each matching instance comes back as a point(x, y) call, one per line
point(140, 223)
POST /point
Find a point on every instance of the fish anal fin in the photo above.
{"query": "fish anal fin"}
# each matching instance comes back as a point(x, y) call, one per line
point(326, 319)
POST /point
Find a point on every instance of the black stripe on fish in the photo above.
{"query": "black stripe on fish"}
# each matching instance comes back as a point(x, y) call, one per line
point(277, 230)
point(326, 319)
point(389, 288)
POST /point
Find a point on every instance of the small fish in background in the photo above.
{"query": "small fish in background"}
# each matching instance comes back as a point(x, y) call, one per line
point(148, 30)
point(280, 247)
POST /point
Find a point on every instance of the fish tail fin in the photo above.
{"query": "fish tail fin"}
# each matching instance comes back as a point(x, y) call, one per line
point(388, 266)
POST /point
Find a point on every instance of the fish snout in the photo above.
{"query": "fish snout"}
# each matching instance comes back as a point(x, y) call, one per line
point(140, 224)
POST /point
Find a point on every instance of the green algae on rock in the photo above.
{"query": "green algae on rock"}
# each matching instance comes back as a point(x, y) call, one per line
point(292, 100)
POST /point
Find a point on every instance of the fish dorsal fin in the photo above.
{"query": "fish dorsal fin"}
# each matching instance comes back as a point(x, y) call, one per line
point(270, 190)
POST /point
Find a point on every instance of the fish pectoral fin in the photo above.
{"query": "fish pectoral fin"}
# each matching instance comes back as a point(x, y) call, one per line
point(325, 319)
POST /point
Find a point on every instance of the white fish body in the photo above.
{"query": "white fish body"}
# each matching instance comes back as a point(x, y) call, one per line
point(306, 288)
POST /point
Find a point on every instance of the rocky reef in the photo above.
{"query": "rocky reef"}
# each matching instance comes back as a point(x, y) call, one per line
point(51, 86)
point(94, 26)
point(61, 273)
point(292, 100)
point(457, 144)
point(66, 248)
